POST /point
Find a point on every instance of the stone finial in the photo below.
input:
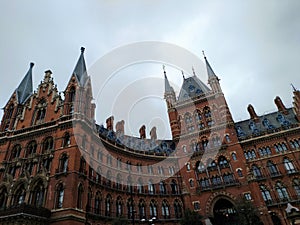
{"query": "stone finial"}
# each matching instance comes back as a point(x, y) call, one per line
point(142, 132)
point(110, 123)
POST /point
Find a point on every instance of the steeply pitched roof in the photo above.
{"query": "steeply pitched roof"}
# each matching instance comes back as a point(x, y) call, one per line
point(168, 87)
point(191, 87)
point(25, 89)
point(80, 69)
point(266, 123)
point(210, 71)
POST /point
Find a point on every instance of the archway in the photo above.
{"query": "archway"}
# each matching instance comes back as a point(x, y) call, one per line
point(224, 213)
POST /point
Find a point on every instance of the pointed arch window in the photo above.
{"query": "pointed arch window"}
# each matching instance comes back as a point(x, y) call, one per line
point(165, 210)
point(7, 117)
point(89, 200)
point(31, 149)
point(256, 171)
point(289, 166)
point(79, 196)
point(222, 161)
point(240, 173)
point(272, 168)
point(265, 194)
point(37, 195)
point(204, 183)
point(63, 163)
point(16, 152)
point(174, 188)
point(97, 205)
point(72, 96)
point(296, 185)
point(233, 156)
point(177, 209)
point(20, 195)
point(108, 202)
point(60, 196)
point(142, 209)
point(130, 208)
point(153, 209)
point(151, 188)
point(3, 197)
point(66, 140)
point(140, 187)
point(39, 113)
point(162, 187)
point(282, 192)
point(48, 145)
point(119, 207)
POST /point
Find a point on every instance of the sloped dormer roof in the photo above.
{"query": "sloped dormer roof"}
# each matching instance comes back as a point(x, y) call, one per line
point(191, 87)
point(25, 89)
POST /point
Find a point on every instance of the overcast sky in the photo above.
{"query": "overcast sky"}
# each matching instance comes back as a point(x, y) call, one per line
point(253, 46)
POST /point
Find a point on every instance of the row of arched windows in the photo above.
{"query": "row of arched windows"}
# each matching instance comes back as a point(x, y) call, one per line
point(36, 195)
point(200, 118)
point(273, 169)
point(282, 192)
point(31, 148)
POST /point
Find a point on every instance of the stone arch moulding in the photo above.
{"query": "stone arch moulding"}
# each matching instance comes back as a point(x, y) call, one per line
point(215, 197)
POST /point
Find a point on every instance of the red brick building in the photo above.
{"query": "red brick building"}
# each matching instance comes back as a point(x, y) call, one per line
point(58, 166)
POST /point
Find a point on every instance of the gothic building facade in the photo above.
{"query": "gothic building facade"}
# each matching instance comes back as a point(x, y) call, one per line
point(58, 166)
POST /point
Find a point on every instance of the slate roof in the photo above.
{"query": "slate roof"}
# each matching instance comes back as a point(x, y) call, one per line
point(168, 87)
point(210, 71)
point(25, 88)
point(266, 123)
point(80, 69)
point(191, 87)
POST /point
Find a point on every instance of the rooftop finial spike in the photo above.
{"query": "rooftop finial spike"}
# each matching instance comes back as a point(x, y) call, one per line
point(193, 71)
point(182, 74)
point(82, 49)
point(203, 54)
point(293, 87)
point(164, 69)
point(31, 64)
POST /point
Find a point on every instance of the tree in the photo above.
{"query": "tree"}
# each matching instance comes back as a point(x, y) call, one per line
point(191, 218)
point(120, 221)
point(247, 213)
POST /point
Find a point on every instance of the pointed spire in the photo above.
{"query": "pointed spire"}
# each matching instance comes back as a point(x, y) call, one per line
point(168, 87)
point(182, 74)
point(210, 71)
point(294, 89)
point(24, 90)
point(193, 71)
point(80, 69)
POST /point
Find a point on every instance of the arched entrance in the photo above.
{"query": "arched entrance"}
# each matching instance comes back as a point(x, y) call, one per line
point(224, 213)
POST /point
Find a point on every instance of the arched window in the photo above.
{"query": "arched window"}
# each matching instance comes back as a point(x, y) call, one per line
point(16, 152)
point(188, 166)
point(188, 118)
point(7, 117)
point(227, 138)
point(97, 205)
point(108, 202)
point(223, 162)
point(142, 209)
point(140, 186)
point(191, 182)
point(174, 188)
point(3, 197)
point(59, 196)
point(119, 181)
point(151, 188)
point(265, 194)
point(119, 207)
point(66, 140)
point(130, 208)
point(256, 171)
point(48, 145)
point(198, 116)
point(240, 173)
point(165, 210)
point(177, 208)
point(216, 180)
point(289, 166)
point(72, 96)
point(200, 167)
point(63, 163)
point(79, 196)
point(39, 113)
point(89, 200)
point(282, 192)
point(296, 185)
point(204, 183)
point(207, 112)
point(272, 168)
point(31, 149)
point(162, 187)
point(153, 209)
point(20, 195)
point(233, 156)
point(37, 195)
